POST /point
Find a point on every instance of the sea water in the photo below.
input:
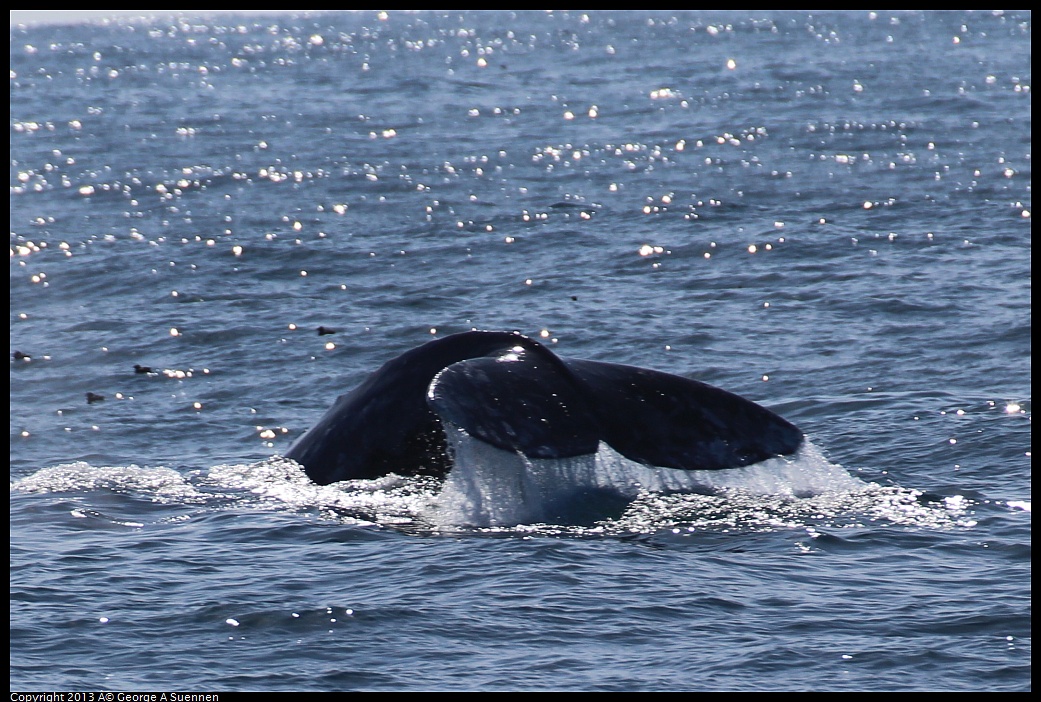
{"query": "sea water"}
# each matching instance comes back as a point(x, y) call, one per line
point(826, 212)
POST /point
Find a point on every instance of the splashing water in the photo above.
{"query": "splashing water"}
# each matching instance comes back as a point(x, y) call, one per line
point(494, 490)
point(489, 487)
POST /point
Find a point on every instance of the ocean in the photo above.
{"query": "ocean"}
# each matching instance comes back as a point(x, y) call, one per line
point(828, 213)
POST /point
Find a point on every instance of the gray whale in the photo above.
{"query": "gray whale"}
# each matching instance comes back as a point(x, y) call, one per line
point(512, 392)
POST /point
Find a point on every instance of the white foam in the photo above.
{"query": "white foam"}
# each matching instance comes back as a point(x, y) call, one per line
point(279, 483)
point(159, 483)
point(490, 489)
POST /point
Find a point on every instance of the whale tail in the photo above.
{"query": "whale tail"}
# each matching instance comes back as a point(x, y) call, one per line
point(513, 393)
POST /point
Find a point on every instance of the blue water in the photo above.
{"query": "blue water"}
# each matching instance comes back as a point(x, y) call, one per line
point(828, 213)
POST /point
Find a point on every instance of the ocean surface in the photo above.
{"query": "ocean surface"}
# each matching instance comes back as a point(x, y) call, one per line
point(827, 213)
